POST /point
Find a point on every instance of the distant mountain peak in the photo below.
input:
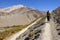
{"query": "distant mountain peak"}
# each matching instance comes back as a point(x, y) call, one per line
point(16, 6)
point(11, 8)
point(20, 5)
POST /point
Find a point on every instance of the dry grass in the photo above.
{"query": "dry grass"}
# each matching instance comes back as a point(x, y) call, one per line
point(11, 31)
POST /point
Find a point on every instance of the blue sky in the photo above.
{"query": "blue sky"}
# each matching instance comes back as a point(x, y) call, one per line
point(37, 4)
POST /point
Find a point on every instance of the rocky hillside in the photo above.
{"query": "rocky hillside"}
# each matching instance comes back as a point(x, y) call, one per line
point(18, 15)
point(56, 15)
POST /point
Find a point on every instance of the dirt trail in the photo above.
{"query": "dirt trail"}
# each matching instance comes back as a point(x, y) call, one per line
point(47, 34)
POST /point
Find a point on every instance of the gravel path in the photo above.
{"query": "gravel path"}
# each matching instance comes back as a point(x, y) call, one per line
point(47, 35)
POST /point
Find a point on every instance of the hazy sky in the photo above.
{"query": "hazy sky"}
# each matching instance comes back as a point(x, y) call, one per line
point(37, 4)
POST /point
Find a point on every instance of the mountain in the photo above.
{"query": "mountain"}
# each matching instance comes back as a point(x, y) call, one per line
point(18, 15)
point(11, 8)
point(56, 15)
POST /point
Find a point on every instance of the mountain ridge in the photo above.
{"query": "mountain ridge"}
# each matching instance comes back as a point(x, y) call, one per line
point(20, 16)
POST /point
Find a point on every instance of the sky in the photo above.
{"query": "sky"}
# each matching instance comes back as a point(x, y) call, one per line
point(37, 4)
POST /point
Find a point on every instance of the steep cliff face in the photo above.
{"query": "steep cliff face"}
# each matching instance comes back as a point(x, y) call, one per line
point(18, 15)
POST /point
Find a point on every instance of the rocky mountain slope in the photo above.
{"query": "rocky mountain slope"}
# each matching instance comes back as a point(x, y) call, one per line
point(56, 17)
point(18, 15)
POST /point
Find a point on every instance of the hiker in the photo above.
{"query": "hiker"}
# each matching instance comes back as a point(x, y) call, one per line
point(48, 16)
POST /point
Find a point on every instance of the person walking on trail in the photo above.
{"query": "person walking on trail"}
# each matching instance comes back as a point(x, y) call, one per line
point(48, 16)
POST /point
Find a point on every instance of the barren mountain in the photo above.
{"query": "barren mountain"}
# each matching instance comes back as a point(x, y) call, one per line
point(56, 15)
point(18, 15)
